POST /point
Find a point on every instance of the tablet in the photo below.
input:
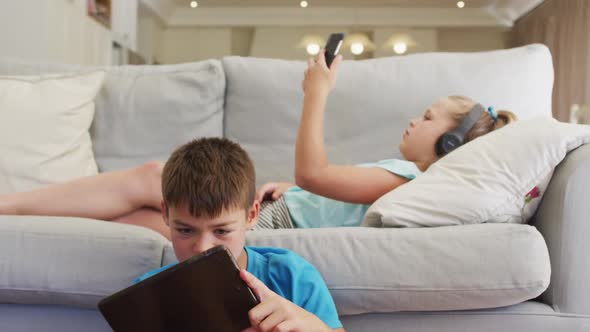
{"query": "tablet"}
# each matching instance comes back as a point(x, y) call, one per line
point(203, 293)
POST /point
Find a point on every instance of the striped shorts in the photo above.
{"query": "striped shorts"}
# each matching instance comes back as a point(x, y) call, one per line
point(274, 215)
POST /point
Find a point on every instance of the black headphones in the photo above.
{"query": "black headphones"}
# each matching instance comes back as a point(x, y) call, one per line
point(451, 140)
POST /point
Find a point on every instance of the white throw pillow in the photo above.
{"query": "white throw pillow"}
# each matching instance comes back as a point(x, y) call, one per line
point(499, 177)
point(44, 122)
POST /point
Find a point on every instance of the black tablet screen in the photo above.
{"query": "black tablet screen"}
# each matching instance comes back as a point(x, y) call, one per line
point(204, 293)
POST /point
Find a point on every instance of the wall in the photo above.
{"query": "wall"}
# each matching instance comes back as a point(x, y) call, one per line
point(426, 40)
point(60, 31)
point(52, 31)
point(282, 42)
point(149, 35)
point(188, 44)
point(241, 41)
point(472, 39)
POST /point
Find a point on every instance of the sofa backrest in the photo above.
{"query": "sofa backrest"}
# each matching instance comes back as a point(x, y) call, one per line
point(373, 101)
point(144, 112)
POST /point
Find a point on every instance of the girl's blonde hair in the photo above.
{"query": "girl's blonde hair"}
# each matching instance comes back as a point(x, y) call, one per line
point(485, 124)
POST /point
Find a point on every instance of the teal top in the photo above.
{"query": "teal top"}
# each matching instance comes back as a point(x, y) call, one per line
point(308, 210)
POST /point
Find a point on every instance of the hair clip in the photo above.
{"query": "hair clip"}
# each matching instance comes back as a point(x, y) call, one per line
point(493, 113)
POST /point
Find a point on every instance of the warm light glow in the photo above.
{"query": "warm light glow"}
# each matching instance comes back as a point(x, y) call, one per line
point(311, 43)
point(400, 42)
point(313, 49)
point(303, 4)
point(357, 48)
point(194, 4)
point(358, 43)
point(400, 47)
point(460, 4)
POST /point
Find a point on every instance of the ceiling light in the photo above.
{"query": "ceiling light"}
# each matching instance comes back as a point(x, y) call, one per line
point(357, 48)
point(194, 4)
point(313, 48)
point(400, 48)
point(460, 4)
point(303, 4)
point(358, 43)
point(311, 44)
point(400, 42)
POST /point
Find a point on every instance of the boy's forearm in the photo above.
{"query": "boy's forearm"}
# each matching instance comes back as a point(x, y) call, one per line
point(310, 151)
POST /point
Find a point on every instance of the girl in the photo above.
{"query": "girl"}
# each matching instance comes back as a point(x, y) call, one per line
point(331, 195)
point(327, 195)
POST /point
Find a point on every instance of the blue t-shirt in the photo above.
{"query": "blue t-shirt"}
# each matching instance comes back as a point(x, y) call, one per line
point(308, 210)
point(290, 276)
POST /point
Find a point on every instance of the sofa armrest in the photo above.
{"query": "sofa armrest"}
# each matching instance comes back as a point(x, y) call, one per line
point(72, 261)
point(563, 218)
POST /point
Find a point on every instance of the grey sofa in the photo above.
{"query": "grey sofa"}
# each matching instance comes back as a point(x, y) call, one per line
point(490, 277)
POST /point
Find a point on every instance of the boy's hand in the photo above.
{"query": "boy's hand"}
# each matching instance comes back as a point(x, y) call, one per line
point(273, 189)
point(277, 314)
point(319, 79)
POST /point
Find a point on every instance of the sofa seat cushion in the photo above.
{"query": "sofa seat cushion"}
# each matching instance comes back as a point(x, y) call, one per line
point(77, 262)
point(422, 269)
point(72, 261)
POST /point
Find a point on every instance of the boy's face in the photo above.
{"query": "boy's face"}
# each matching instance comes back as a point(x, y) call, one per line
point(191, 236)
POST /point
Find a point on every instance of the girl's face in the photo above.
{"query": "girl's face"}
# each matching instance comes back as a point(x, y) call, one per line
point(419, 140)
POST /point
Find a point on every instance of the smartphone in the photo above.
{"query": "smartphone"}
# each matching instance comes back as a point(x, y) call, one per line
point(203, 293)
point(333, 47)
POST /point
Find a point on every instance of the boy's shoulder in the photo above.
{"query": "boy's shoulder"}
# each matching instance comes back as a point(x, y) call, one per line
point(273, 256)
point(153, 272)
point(265, 262)
point(295, 279)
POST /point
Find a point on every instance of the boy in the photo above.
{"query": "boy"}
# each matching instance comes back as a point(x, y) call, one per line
point(208, 188)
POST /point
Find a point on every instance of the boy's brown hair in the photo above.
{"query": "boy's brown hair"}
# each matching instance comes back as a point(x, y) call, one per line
point(208, 176)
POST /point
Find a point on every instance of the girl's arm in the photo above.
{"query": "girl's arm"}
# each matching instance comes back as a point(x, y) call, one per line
point(313, 172)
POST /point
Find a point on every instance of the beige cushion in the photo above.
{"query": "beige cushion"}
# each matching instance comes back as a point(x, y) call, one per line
point(421, 269)
point(487, 180)
point(44, 122)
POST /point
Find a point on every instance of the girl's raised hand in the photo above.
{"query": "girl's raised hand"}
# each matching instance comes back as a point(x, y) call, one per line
point(319, 79)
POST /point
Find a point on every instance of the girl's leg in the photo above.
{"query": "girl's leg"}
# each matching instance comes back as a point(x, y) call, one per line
point(106, 196)
point(146, 217)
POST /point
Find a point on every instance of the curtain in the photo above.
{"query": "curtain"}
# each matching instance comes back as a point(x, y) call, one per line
point(564, 26)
